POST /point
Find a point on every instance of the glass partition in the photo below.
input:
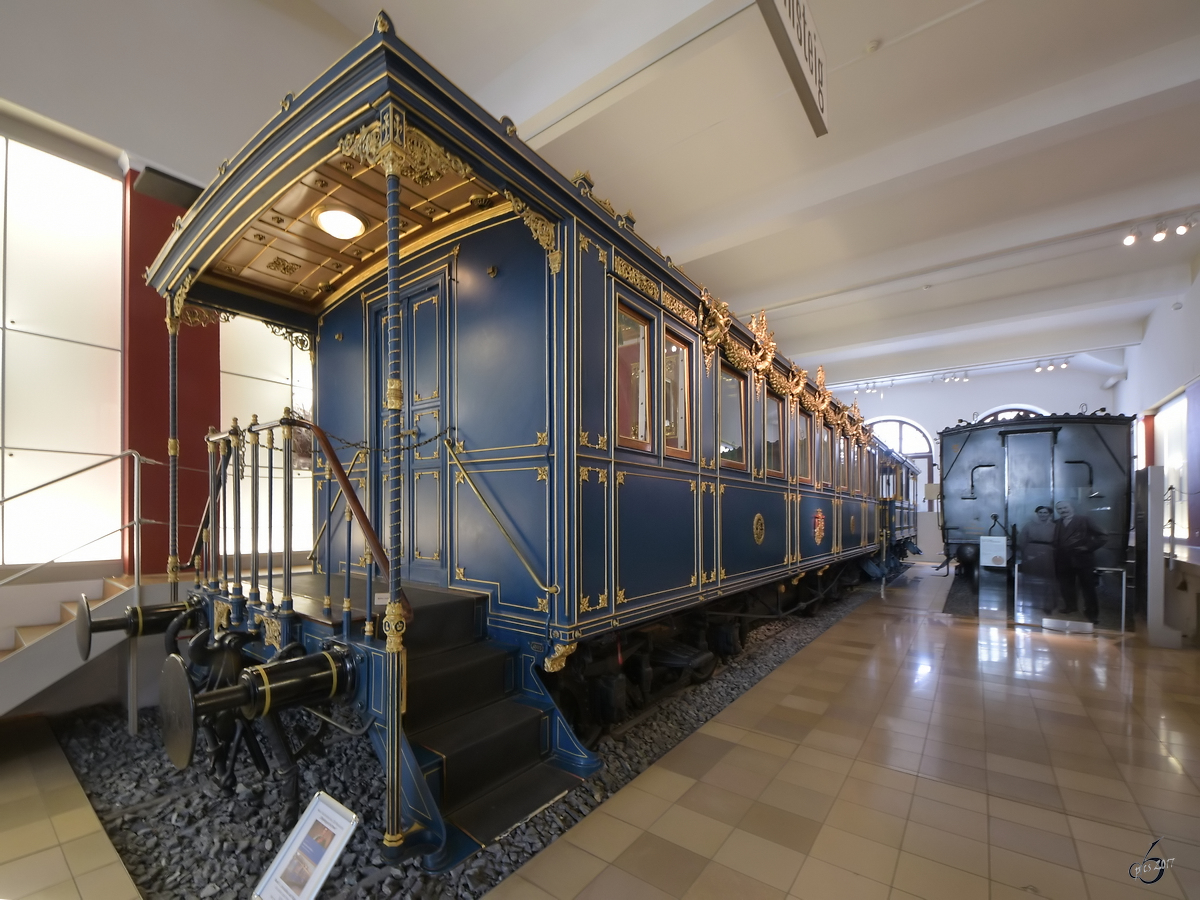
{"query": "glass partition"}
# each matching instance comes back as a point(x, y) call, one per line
point(803, 447)
point(774, 443)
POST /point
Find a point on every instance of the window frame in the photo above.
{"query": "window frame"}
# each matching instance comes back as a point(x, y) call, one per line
point(806, 427)
point(826, 443)
point(624, 442)
point(670, 337)
point(781, 472)
point(742, 466)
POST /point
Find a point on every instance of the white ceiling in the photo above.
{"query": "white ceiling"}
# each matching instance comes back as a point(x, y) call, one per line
point(966, 207)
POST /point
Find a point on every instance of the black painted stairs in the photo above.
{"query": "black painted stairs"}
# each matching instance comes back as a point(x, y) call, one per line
point(482, 750)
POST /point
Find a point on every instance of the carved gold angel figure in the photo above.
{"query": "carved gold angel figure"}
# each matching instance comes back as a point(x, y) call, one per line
point(715, 326)
point(764, 351)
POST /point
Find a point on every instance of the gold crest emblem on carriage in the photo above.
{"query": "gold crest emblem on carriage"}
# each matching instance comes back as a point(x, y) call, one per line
point(819, 527)
point(760, 528)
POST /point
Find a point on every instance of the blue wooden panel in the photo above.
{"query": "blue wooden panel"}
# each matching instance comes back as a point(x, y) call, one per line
point(655, 533)
point(595, 598)
point(519, 497)
point(852, 524)
point(708, 532)
point(593, 340)
point(427, 516)
point(500, 340)
point(426, 350)
point(872, 523)
point(707, 392)
point(810, 505)
point(741, 552)
point(340, 374)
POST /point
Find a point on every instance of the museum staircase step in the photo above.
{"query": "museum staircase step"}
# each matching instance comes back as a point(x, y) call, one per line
point(482, 750)
point(46, 652)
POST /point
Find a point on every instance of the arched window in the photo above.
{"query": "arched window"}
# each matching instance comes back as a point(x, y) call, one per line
point(910, 439)
point(1011, 411)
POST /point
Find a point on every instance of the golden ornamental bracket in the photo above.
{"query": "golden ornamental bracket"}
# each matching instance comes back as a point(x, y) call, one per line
point(399, 149)
point(202, 316)
point(544, 231)
point(301, 340)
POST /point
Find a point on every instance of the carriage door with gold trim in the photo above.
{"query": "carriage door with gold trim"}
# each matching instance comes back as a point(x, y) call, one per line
point(422, 414)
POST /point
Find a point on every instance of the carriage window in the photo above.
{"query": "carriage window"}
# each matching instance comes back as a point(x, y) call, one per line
point(855, 469)
point(733, 419)
point(774, 435)
point(825, 435)
point(677, 400)
point(803, 447)
point(843, 463)
point(633, 380)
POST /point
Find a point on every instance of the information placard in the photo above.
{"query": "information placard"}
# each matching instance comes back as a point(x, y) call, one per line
point(303, 862)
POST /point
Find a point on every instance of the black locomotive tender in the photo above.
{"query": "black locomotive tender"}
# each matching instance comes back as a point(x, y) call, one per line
point(998, 474)
point(572, 476)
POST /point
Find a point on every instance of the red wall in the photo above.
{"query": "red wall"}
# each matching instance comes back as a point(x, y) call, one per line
point(148, 224)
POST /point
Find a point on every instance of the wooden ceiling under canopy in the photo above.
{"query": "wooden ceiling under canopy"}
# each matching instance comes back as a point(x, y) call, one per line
point(282, 255)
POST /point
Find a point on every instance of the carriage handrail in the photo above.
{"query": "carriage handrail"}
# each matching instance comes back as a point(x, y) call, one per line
point(339, 474)
point(549, 589)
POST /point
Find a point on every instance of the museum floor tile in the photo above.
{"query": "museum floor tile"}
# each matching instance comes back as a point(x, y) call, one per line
point(906, 754)
point(52, 846)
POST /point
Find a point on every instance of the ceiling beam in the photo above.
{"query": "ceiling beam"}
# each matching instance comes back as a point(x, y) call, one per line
point(1118, 94)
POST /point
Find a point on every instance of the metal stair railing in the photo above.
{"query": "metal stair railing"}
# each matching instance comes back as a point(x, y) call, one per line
point(135, 524)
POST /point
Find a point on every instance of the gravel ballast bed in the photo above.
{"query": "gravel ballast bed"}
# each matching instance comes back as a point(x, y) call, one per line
point(180, 837)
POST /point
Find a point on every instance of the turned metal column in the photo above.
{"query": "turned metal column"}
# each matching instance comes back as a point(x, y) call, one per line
point(391, 158)
point(173, 451)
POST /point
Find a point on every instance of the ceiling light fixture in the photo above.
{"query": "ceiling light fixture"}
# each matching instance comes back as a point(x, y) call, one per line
point(966, 377)
point(1188, 224)
point(1160, 231)
point(1063, 364)
point(1050, 368)
point(339, 223)
point(1038, 368)
point(1131, 238)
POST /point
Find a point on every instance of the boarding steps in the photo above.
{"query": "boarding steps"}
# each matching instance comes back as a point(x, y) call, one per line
point(45, 653)
point(484, 753)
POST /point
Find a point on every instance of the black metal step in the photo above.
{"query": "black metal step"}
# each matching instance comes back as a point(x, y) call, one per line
point(483, 748)
point(442, 617)
point(513, 801)
point(443, 686)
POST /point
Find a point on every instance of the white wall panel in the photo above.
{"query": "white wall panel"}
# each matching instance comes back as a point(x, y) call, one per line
point(248, 348)
point(64, 249)
point(59, 518)
point(60, 395)
point(241, 396)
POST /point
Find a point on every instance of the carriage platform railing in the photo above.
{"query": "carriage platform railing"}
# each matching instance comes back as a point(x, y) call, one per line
point(219, 557)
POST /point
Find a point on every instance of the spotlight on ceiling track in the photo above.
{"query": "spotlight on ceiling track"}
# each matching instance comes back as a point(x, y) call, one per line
point(1188, 225)
point(1063, 364)
point(1050, 368)
point(1038, 367)
point(1160, 231)
point(1131, 238)
point(966, 377)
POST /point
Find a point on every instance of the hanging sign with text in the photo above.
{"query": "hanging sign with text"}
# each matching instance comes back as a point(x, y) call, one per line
point(791, 25)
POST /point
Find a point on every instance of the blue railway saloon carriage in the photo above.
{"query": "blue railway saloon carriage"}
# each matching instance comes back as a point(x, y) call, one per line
point(567, 470)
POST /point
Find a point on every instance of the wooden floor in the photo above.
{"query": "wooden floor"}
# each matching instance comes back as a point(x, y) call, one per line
point(909, 754)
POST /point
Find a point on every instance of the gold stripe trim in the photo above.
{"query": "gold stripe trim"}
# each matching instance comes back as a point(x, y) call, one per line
point(333, 671)
point(266, 690)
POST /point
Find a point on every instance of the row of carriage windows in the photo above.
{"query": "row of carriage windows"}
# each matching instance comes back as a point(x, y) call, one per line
point(838, 461)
